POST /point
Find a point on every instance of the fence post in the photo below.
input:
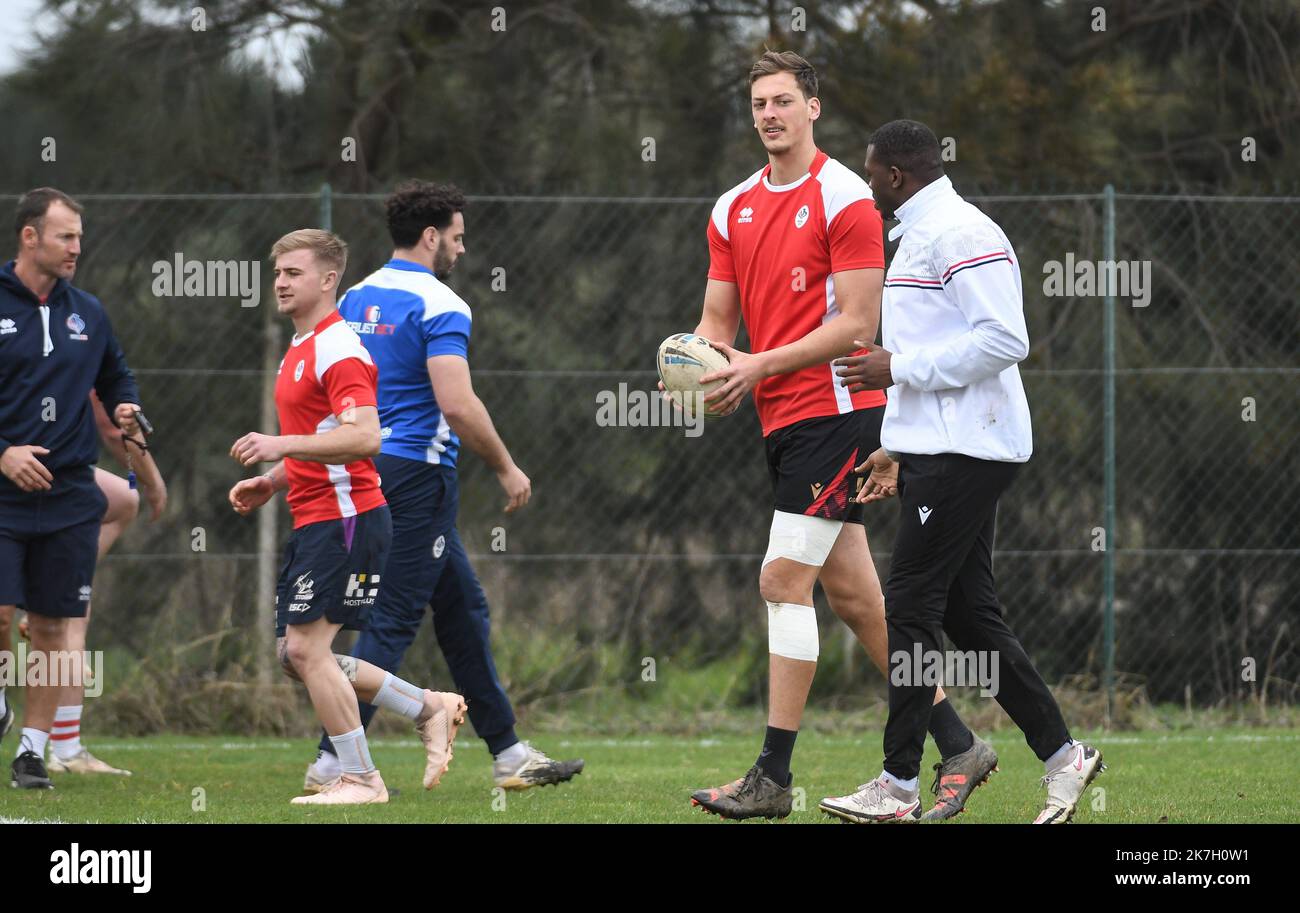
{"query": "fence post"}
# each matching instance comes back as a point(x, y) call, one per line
point(267, 520)
point(1108, 556)
point(326, 207)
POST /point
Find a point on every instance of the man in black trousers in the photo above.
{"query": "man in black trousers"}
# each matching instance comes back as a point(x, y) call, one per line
point(956, 431)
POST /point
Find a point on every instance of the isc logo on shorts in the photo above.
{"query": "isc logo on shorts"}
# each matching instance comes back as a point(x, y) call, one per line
point(357, 592)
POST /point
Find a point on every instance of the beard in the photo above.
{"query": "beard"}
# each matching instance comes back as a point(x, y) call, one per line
point(442, 265)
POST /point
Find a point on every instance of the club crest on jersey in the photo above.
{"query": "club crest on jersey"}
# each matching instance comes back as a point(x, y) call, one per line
point(76, 325)
point(746, 216)
point(297, 372)
point(801, 217)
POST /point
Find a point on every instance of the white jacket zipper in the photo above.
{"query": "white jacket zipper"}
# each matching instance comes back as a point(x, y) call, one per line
point(45, 322)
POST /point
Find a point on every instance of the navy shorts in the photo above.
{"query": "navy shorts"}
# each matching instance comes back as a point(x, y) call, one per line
point(332, 570)
point(49, 544)
point(811, 463)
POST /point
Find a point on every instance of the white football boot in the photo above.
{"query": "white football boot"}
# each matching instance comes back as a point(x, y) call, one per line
point(1065, 784)
point(83, 762)
point(438, 733)
point(316, 780)
point(348, 789)
point(877, 801)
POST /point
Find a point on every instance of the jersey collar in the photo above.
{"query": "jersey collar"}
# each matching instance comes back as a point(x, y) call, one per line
point(819, 159)
point(331, 318)
point(408, 265)
point(919, 204)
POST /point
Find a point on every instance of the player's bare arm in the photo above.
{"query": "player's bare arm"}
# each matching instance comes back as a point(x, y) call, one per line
point(356, 438)
point(148, 477)
point(720, 321)
point(857, 292)
point(249, 494)
point(469, 418)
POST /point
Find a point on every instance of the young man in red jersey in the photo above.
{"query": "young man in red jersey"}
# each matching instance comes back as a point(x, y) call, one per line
point(329, 423)
point(797, 251)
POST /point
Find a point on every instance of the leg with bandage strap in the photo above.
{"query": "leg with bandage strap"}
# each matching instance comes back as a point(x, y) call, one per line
point(797, 549)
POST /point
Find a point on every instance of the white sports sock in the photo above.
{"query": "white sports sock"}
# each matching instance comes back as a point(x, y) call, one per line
point(327, 765)
point(353, 752)
point(65, 735)
point(1062, 755)
point(3, 705)
point(32, 740)
point(402, 697)
point(514, 755)
point(907, 786)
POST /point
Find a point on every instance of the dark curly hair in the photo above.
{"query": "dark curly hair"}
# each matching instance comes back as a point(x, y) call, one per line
point(416, 205)
point(910, 146)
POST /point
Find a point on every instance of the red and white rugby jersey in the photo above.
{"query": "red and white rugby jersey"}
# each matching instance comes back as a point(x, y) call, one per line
point(323, 374)
point(780, 245)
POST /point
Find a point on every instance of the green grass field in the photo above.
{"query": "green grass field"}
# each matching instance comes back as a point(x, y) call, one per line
point(1221, 775)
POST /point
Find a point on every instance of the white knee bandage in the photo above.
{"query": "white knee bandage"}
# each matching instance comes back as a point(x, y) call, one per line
point(807, 540)
point(792, 631)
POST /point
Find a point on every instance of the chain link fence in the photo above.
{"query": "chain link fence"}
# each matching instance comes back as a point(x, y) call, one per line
point(646, 541)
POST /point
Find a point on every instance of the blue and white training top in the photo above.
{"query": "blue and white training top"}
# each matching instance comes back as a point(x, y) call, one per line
point(405, 316)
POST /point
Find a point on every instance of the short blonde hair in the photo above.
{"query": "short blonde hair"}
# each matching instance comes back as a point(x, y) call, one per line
point(328, 247)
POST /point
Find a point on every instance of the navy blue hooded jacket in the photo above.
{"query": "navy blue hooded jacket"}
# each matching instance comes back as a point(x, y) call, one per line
point(47, 369)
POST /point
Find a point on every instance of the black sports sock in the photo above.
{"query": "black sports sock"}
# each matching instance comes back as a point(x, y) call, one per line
point(950, 733)
point(778, 746)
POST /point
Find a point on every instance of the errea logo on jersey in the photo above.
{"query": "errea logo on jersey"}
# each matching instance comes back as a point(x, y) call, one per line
point(746, 215)
point(801, 217)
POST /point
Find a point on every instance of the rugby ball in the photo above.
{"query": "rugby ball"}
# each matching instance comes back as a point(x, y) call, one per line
point(683, 359)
